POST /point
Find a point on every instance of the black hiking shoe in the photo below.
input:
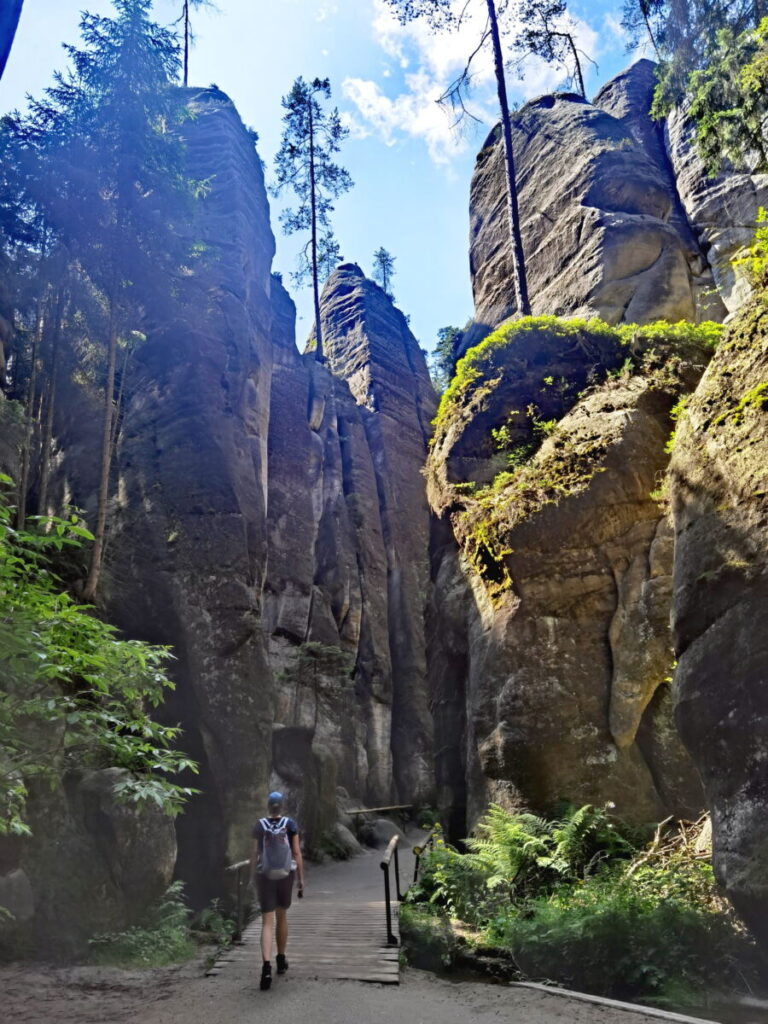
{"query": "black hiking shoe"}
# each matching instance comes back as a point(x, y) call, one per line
point(282, 963)
point(266, 977)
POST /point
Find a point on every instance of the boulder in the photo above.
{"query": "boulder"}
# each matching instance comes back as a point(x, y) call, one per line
point(719, 489)
point(382, 830)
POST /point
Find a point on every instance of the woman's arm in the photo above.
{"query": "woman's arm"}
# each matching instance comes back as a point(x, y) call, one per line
point(296, 851)
point(254, 860)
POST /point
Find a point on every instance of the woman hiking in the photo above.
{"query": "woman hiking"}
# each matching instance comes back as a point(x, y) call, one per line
point(275, 862)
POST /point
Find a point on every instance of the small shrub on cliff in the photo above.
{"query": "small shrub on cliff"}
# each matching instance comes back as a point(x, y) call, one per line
point(755, 261)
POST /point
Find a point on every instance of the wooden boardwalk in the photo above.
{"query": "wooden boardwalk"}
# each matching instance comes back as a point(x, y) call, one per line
point(337, 932)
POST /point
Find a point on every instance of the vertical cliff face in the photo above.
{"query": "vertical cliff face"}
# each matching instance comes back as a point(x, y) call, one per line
point(719, 483)
point(370, 346)
point(325, 611)
point(559, 638)
point(269, 524)
point(187, 548)
point(722, 209)
point(618, 221)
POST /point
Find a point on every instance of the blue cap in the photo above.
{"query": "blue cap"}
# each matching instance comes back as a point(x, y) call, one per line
point(275, 798)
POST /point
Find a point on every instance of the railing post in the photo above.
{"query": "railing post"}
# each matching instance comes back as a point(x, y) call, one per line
point(239, 905)
point(397, 877)
point(391, 939)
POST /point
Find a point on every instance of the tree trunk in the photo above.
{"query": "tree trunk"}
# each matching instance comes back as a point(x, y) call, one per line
point(518, 258)
point(45, 450)
point(577, 65)
point(10, 12)
point(186, 42)
point(29, 418)
point(319, 354)
point(651, 36)
point(99, 534)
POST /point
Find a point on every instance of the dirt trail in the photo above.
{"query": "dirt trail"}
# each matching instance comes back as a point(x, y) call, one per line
point(184, 995)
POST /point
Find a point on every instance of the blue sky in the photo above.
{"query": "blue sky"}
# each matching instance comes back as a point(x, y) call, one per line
point(411, 169)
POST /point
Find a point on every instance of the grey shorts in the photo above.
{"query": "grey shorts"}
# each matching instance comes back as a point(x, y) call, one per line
point(274, 892)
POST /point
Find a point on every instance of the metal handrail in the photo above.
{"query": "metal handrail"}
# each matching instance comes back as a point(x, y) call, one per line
point(429, 843)
point(239, 870)
point(390, 852)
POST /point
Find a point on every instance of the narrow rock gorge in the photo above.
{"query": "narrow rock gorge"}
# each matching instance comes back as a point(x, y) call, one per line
point(533, 594)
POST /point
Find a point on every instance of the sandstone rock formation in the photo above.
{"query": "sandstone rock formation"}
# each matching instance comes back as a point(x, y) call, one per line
point(369, 344)
point(719, 488)
point(604, 229)
point(722, 209)
point(269, 522)
point(569, 558)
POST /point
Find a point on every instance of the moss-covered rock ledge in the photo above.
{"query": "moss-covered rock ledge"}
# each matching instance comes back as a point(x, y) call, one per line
point(548, 460)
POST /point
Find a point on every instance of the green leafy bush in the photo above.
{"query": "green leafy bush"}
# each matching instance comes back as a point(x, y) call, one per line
point(584, 901)
point(629, 936)
point(427, 936)
point(163, 939)
point(72, 692)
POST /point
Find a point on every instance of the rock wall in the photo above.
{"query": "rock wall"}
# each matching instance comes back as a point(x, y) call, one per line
point(619, 219)
point(719, 488)
point(559, 638)
point(269, 523)
point(369, 344)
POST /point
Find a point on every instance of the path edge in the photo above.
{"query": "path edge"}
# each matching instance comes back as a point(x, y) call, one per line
point(616, 1004)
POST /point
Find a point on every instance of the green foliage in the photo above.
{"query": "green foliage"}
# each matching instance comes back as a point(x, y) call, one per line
point(214, 925)
point(755, 260)
point(715, 52)
point(443, 358)
point(304, 164)
point(729, 100)
point(383, 269)
point(629, 937)
point(516, 856)
point(545, 30)
point(163, 939)
point(664, 355)
point(73, 693)
point(485, 362)
point(585, 902)
point(428, 939)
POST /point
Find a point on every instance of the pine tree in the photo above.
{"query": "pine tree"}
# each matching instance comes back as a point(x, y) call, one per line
point(185, 18)
point(545, 33)
point(383, 268)
point(114, 193)
point(304, 163)
point(441, 15)
point(442, 362)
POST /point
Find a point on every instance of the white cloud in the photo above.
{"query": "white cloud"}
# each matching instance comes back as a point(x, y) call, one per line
point(431, 62)
point(325, 11)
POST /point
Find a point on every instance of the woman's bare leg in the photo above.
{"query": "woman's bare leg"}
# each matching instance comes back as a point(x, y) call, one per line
point(267, 932)
point(282, 929)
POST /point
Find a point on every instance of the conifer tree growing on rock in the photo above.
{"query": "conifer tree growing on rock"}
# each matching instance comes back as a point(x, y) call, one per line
point(304, 163)
point(189, 38)
point(112, 190)
point(442, 14)
point(545, 33)
point(383, 268)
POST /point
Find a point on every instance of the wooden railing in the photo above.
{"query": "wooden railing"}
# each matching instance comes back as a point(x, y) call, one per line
point(241, 872)
point(391, 854)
